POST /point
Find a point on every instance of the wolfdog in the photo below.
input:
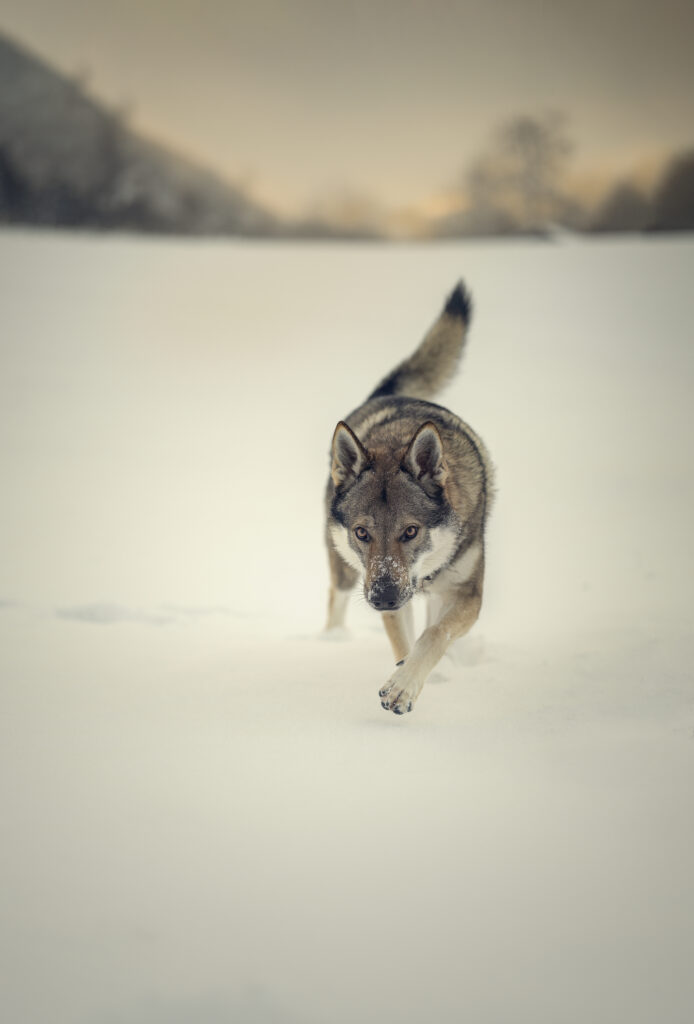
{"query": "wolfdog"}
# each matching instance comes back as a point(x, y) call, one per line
point(407, 502)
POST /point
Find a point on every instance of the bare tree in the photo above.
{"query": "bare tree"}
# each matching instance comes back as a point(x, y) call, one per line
point(535, 150)
point(519, 179)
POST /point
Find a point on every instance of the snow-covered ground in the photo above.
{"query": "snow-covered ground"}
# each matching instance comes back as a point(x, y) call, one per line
point(206, 815)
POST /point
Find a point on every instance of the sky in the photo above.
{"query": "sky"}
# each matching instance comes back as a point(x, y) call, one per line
point(305, 100)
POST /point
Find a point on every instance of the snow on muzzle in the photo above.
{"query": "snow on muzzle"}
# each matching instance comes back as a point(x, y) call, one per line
point(387, 586)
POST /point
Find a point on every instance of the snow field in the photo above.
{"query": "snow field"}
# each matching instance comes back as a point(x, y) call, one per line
point(206, 814)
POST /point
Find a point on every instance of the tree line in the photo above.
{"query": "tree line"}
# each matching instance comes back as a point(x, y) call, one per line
point(518, 186)
point(65, 160)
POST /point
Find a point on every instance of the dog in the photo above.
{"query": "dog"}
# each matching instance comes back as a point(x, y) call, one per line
point(407, 501)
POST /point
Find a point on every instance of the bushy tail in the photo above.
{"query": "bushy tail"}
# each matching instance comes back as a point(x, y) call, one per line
point(433, 364)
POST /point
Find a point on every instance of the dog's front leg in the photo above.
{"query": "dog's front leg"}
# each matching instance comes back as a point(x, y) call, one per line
point(399, 626)
point(405, 685)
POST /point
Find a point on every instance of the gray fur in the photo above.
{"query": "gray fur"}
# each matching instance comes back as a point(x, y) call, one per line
point(407, 503)
point(434, 362)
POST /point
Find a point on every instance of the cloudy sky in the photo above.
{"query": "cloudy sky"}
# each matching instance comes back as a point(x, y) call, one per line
point(304, 99)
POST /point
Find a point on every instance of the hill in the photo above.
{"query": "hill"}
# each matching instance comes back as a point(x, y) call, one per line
point(67, 160)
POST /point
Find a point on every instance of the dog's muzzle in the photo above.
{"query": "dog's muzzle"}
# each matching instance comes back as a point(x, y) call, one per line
point(386, 596)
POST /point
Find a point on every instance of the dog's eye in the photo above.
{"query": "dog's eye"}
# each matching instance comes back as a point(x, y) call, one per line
point(410, 533)
point(361, 534)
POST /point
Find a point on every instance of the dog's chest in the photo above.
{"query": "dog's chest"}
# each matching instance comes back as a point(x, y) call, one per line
point(454, 574)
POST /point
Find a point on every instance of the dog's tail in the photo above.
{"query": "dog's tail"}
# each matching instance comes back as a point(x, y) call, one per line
point(433, 364)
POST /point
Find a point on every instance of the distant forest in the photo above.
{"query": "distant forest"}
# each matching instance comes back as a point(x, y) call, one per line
point(518, 186)
point(67, 161)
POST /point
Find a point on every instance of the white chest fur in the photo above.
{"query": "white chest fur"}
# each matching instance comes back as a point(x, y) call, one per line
point(458, 572)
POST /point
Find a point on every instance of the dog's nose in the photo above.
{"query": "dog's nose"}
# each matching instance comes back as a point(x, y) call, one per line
point(384, 596)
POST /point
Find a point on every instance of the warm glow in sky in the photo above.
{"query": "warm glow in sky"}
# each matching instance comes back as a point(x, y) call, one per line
point(305, 99)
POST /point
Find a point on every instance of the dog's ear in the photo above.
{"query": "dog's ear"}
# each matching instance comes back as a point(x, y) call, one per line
point(424, 458)
point(350, 457)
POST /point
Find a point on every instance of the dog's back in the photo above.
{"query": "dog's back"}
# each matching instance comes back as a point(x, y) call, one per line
point(402, 401)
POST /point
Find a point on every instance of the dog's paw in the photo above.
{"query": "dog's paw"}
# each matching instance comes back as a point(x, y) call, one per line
point(401, 691)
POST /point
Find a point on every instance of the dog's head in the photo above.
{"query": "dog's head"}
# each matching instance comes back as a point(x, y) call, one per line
point(390, 517)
